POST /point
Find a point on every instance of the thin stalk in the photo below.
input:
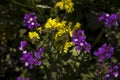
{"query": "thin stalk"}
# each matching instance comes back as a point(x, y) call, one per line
point(19, 4)
point(98, 38)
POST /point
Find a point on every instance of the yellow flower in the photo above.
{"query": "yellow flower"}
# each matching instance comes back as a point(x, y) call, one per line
point(61, 28)
point(59, 33)
point(67, 5)
point(70, 33)
point(67, 46)
point(51, 23)
point(60, 5)
point(39, 29)
point(60, 25)
point(32, 35)
point(55, 23)
point(77, 25)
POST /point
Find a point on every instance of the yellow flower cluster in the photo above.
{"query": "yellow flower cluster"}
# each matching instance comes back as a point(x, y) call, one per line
point(67, 5)
point(61, 27)
point(54, 23)
point(67, 46)
point(32, 35)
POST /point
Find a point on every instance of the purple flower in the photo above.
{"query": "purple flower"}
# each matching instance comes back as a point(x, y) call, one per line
point(112, 72)
point(109, 19)
point(31, 59)
point(109, 70)
point(23, 44)
point(27, 78)
point(38, 56)
point(20, 78)
point(115, 19)
point(87, 47)
point(30, 20)
point(108, 22)
point(103, 17)
point(79, 40)
point(104, 52)
point(28, 59)
point(39, 52)
point(37, 62)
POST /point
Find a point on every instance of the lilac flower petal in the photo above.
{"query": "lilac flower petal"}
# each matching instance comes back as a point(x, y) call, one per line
point(20, 78)
point(78, 39)
point(30, 21)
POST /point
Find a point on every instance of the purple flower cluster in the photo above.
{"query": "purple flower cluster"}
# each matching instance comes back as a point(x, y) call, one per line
point(112, 72)
point(79, 40)
point(109, 70)
point(21, 78)
point(109, 19)
point(30, 59)
point(30, 21)
point(104, 52)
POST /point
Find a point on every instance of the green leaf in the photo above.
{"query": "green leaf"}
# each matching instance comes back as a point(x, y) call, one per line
point(43, 6)
point(22, 31)
point(74, 52)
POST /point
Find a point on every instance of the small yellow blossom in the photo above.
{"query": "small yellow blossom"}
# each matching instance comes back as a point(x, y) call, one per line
point(67, 5)
point(60, 5)
point(39, 29)
point(32, 35)
point(60, 25)
point(77, 25)
point(59, 33)
point(67, 46)
point(51, 23)
point(70, 33)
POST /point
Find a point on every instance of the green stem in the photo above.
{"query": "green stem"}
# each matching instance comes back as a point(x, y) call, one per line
point(19, 4)
point(33, 2)
point(98, 38)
